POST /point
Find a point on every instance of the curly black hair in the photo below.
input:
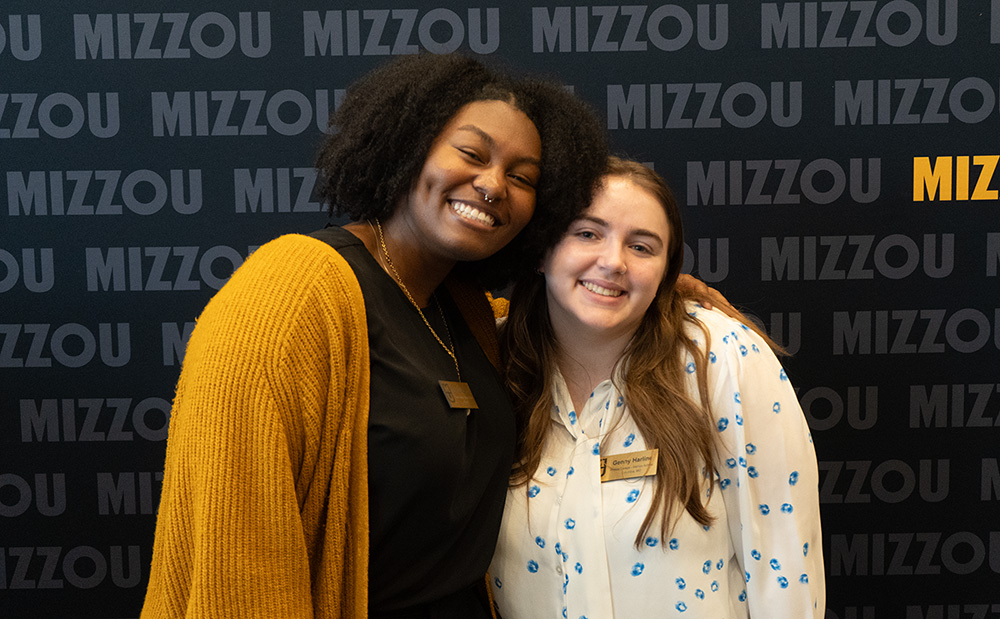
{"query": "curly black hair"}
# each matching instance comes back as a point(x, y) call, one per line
point(385, 127)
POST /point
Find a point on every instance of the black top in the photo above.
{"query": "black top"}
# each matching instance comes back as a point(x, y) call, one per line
point(437, 478)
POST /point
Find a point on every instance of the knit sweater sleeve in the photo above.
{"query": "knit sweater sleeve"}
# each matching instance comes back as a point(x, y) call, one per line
point(263, 511)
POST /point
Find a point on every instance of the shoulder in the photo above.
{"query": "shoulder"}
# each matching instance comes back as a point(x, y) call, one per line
point(722, 328)
point(292, 283)
point(292, 264)
point(292, 252)
point(728, 338)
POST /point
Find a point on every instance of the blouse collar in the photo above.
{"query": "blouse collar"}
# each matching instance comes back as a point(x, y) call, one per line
point(601, 409)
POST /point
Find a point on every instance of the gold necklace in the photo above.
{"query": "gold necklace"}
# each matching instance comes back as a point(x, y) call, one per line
point(399, 280)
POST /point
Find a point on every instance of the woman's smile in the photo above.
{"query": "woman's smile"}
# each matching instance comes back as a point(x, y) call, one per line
point(602, 290)
point(473, 213)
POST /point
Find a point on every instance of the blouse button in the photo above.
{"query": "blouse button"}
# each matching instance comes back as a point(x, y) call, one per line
point(559, 569)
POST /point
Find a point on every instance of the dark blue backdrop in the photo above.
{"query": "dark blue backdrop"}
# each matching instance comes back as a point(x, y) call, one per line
point(836, 162)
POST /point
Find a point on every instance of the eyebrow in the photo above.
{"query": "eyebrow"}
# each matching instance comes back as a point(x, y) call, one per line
point(634, 231)
point(492, 143)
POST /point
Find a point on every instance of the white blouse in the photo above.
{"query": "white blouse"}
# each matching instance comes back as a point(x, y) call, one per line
point(567, 543)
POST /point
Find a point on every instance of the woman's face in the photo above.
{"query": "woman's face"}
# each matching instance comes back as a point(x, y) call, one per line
point(489, 148)
point(604, 272)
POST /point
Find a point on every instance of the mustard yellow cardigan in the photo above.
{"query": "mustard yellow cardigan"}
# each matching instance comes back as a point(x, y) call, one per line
point(264, 507)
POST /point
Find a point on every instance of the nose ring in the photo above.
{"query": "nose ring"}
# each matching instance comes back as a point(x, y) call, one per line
point(486, 196)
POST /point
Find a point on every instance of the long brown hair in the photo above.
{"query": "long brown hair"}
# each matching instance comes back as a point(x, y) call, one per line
point(654, 384)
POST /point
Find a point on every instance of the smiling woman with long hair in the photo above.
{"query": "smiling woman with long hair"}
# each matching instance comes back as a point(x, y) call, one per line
point(664, 467)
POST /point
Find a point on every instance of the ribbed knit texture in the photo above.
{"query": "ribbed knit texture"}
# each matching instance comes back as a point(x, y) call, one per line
point(264, 509)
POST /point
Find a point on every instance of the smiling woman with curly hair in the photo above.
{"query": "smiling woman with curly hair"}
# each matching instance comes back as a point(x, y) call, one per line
point(340, 441)
point(385, 127)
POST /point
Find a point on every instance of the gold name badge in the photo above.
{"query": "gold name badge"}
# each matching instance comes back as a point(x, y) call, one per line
point(458, 394)
point(632, 464)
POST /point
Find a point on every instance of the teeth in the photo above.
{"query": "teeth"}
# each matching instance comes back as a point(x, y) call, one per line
point(473, 213)
point(604, 292)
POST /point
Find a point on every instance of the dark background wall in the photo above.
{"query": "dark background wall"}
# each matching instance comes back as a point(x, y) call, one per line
point(837, 163)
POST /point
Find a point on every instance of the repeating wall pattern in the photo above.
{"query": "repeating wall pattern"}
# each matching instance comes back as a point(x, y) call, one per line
point(836, 163)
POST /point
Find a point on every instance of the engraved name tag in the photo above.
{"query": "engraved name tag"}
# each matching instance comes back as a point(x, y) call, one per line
point(626, 465)
point(458, 394)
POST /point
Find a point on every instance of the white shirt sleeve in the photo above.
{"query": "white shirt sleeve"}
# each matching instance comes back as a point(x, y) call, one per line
point(769, 479)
